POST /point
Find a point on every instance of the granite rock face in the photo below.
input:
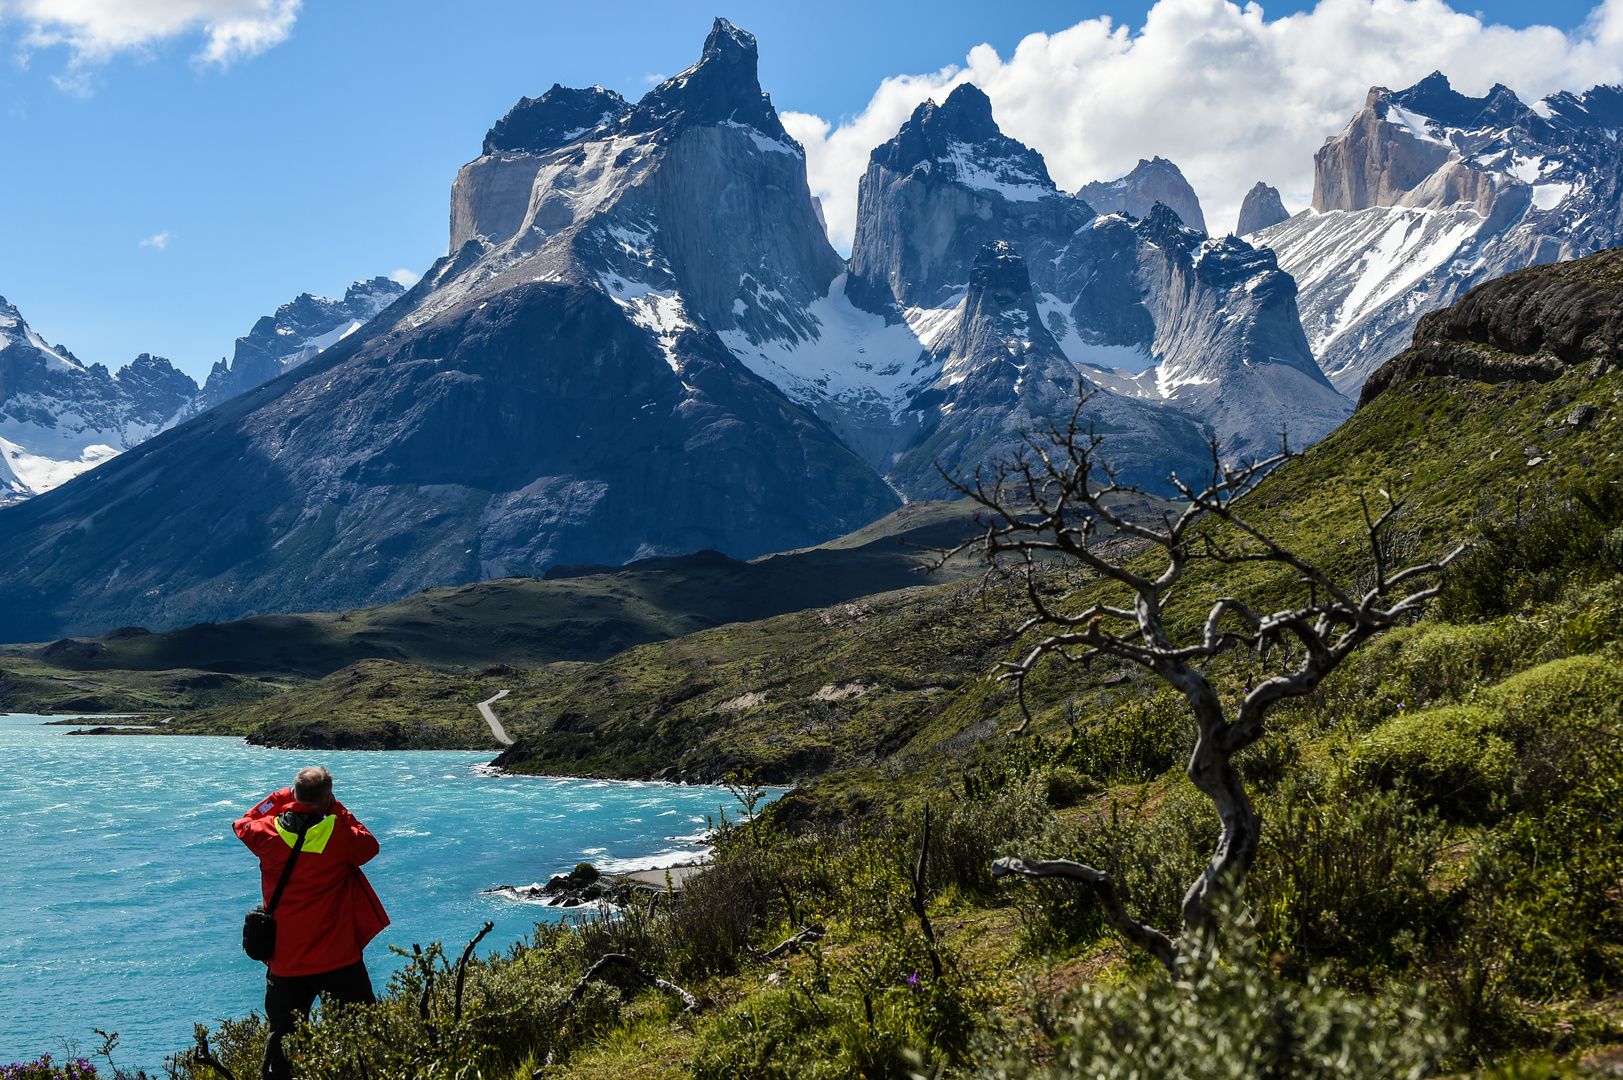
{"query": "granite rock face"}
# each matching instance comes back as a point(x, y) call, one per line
point(1154, 181)
point(554, 390)
point(1427, 193)
point(1003, 373)
point(1262, 207)
point(1534, 324)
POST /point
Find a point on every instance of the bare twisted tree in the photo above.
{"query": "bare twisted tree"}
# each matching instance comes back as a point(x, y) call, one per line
point(1054, 500)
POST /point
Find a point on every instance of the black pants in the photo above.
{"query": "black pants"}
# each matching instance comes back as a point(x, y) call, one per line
point(288, 996)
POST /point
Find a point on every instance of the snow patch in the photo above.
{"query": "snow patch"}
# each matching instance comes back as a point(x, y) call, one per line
point(1549, 196)
point(41, 473)
point(659, 311)
point(1415, 123)
point(853, 358)
point(763, 142)
point(1002, 175)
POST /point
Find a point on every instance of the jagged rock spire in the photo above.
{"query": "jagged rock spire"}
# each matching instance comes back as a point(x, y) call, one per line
point(1262, 207)
point(724, 85)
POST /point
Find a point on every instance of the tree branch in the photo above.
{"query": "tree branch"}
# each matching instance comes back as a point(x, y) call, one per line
point(1104, 887)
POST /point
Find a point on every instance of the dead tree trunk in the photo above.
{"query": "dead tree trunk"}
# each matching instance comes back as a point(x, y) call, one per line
point(1044, 505)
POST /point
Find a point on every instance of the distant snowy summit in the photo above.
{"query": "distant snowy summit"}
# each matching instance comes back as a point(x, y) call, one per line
point(1428, 192)
point(60, 417)
point(299, 331)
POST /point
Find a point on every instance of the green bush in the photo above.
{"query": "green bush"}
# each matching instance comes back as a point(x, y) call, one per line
point(1531, 558)
point(1153, 851)
point(881, 1014)
point(1524, 737)
point(1614, 549)
point(1345, 877)
point(1224, 1017)
point(1453, 756)
point(970, 833)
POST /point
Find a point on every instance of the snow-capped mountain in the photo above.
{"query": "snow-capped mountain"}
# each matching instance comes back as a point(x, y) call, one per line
point(1002, 373)
point(1154, 181)
point(60, 417)
point(298, 331)
point(1428, 192)
point(1147, 308)
point(553, 390)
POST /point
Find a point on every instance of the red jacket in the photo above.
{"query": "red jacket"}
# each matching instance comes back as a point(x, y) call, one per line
point(328, 912)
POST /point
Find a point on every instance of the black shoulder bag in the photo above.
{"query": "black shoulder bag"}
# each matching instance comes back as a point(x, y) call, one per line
point(259, 928)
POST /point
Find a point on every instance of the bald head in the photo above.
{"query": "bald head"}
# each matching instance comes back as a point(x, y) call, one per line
point(313, 787)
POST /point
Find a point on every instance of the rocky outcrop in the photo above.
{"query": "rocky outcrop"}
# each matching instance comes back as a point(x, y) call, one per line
point(1262, 207)
point(556, 118)
point(1427, 193)
point(933, 196)
point(1229, 340)
point(1530, 325)
point(298, 331)
point(556, 395)
point(1154, 181)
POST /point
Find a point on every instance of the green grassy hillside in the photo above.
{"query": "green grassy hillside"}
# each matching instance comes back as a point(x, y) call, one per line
point(578, 613)
point(1435, 893)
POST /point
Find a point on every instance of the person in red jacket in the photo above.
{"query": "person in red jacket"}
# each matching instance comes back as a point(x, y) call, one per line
point(327, 913)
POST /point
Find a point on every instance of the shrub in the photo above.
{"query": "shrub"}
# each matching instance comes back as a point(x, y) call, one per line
point(1453, 756)
point(1224, 1016)
point(1152, 850)
point(1532, 557)
point(880, 1015)
point(1614, 549)
point(1345, 877)
point(970, 833)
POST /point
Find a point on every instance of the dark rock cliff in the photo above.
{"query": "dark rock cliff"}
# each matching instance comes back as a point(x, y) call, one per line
point(1534, 324)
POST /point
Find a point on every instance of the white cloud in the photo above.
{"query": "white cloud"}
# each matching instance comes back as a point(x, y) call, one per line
point(1229, 95)
point(96, 30)
point(159, 241)
point(405, 277)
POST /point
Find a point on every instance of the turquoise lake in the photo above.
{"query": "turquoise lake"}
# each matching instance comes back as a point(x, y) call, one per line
point(122, 886)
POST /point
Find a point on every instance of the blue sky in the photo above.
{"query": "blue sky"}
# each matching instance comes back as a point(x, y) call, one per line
point(329, 155)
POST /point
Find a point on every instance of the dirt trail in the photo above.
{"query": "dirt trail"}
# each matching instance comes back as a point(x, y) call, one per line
point(496, 728)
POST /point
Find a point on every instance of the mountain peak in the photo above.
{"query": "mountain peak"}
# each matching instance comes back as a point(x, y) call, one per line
point(1001, 270)
point(1262, 207)
point(723, 86)
point(935, 134)
point(967, 114)
point(1152, 181)
point(556, 118)
point(1435, 98)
